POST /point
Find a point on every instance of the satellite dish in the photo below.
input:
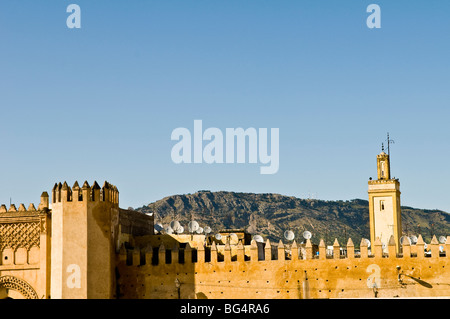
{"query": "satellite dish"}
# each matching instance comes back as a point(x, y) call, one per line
point(441, 248)
point(258, 239)
point(174, 225)
point(193, 226)
point(218, 236)
point(168, 230)
point(289, 235)
point(383, 245)
point(367, 242)
point(413, 239)
point(307, 235)
point(158, 227)
point(207, 230)
point(403, 238)
point(442, 239)
point(180, 230)
point(234, 240)
point(199, 230)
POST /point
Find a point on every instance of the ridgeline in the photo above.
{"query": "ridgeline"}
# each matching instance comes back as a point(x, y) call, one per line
point(269, 215)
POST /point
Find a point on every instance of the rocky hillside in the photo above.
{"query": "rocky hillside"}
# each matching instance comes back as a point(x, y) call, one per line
point(271, 214)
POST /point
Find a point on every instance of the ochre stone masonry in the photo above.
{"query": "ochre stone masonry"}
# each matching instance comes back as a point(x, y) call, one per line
point(82, 245)
point(238, 272)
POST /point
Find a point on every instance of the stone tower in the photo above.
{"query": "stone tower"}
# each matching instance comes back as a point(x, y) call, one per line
point(84, 229)
point(384, 204)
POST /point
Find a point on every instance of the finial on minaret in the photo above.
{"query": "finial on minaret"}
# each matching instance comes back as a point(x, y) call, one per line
point(382, 147)
point(389, 141)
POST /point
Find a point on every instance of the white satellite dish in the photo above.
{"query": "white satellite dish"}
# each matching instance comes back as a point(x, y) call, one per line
point(383, 245)
point(289, 235)
point(218, 236)
point(307, 235)
point(174, 225)
point(404, 240)
point(367, 242)
point(158, 227)
point(193, 226)
point(258, 238)
point(168, 230)
point(180, 230)
point(199, 230)
point(441, 248)
point(234, 240)
point(207, 229)
point(442, 239)
point(413, 239)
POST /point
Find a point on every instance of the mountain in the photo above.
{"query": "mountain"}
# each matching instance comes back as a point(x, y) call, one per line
point(271, 214)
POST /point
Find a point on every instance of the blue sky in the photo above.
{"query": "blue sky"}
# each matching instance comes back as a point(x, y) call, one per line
point(100, 102)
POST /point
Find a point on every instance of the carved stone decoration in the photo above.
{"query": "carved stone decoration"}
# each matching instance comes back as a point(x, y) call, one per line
point(15, 235)
point(43, 223)
point(11, 282)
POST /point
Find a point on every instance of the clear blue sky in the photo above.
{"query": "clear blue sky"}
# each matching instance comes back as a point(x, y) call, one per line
point(100, 102)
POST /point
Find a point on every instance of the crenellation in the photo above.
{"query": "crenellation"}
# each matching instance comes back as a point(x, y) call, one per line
point(350, 249)
point(336, 249)
point(95, 192)
point(65, 193)
point(392, 251)
point(44, 203)
point(175, 252)
point(234, 256)
point(447, 247)
point(378, 248)
point(148, 255)
point(281, 251)
point(294, 251)
point(268, 251)
point(434, 247)
point(227, 252)
point(364, 249)
point(322, 249)
point(12, 208)
point(240, 253)
point(3, 208)
point(201, 254)
point(420, 247)
point(136, 256)
point(188, 254)
point(308, 249)
point(214, 253)
point(406, 248)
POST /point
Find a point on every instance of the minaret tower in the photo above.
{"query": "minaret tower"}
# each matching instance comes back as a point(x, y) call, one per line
point(384, 204)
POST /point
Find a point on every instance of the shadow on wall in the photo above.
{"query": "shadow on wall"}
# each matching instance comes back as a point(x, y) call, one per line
point(139, 274)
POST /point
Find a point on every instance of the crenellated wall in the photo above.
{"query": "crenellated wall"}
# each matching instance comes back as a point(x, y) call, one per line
point(24, 250)
point(249, 271)
point(85, 246)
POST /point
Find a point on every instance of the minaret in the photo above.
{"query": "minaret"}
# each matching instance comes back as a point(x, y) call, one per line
point(384, 204)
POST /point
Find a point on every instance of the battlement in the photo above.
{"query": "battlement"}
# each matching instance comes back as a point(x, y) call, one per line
point(284, 270)
point(65, 193)
point(31, 207)
point(281, 252)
